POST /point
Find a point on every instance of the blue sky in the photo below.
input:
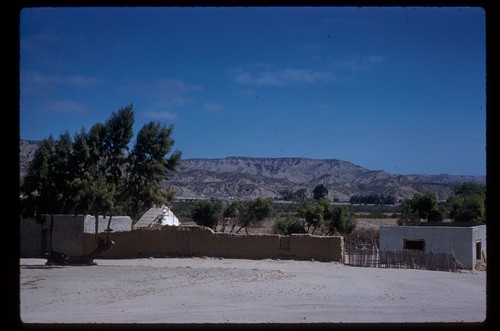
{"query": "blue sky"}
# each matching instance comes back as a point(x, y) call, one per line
point(387, 88)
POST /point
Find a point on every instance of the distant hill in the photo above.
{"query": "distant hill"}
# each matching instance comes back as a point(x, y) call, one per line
point(246, 177)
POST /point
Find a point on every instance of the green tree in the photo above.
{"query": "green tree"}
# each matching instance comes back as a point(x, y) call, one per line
point(288, 224)
point(99, 187)
point(38, 191)
point(409, 215)
point(421, 206)
point(62, 173)
point(313, 214)
point(320, 191)
point(149, 166)
point(298, 196)
point(468, 203)
point(437, 214)
point(339, 219)
point(206, 213)
point(231, 215)
point(424, 204)
point(45, 188)
point(469, 188)
point(253, 212)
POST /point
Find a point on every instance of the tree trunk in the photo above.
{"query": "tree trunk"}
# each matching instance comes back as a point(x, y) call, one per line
point(104, 244)
point(108, 228)
point(96, 217)
point(51, 233)
point(240, 229)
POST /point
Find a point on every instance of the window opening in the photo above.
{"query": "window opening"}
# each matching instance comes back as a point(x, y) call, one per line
point(418, 244)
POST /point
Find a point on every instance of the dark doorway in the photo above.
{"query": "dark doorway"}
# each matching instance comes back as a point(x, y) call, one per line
point(478, 250)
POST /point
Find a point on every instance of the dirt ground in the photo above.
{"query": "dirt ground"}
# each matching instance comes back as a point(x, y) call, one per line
point(235, 291)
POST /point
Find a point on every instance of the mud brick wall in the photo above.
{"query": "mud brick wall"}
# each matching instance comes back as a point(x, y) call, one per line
point(201, 241)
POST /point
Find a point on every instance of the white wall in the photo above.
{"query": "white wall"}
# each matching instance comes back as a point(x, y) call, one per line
point(439, 239)
point(118, 224)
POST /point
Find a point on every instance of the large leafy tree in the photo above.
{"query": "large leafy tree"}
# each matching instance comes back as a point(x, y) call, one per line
point(289, 224)
point(313, 214)
point(45, 188)
point(469, 202)
point(253, 212)
point(37, 188)
point(92, 187)
point(320, 191)
point(38, 192)
point(421, 206)
point(102, 154)
point(148, 165)
point(424, 204)
point(322, 214)
point(409, 215)
point(340, 219)
point(206, 213)
point(230, 216)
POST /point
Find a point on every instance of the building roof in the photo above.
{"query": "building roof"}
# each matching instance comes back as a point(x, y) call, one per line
point(157, 216)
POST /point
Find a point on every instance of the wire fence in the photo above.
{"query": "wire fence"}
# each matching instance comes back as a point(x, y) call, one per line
point(366, 255)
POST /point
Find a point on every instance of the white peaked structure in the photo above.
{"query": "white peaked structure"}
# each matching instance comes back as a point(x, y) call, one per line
point(157, 216)
point(168, 217)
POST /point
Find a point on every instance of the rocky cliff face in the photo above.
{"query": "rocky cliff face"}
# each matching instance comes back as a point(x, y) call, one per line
point(244, 177)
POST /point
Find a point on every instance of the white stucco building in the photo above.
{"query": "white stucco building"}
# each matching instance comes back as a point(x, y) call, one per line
point(467, 243)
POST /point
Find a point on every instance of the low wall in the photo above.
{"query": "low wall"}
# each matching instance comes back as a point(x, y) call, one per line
point(118, 223)
point(67, 233)
point(67, 236)
point(201, 241)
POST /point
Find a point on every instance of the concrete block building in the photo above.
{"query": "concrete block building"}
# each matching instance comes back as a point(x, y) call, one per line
point(466, 243)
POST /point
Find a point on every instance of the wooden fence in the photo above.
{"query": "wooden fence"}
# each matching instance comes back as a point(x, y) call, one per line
point(370, 256)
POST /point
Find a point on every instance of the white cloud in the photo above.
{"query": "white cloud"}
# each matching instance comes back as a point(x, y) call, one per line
point(356, 62)
point(159, 115)
point(213, 107)
point(305, 75)
point(280, 77)
point(36, 78)
point(166, 93)
point(68, 107)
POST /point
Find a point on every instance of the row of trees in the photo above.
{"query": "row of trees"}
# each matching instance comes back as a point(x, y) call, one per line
point(468, 204)
point(238, 213)
point(310, 215)
point(95, 172)
point(375, 199)
point(320, 191)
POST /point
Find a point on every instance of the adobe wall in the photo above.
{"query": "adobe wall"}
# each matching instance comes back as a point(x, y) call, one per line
point(201, 241)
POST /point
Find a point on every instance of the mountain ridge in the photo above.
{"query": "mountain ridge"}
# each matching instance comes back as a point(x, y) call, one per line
point(242, 177)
